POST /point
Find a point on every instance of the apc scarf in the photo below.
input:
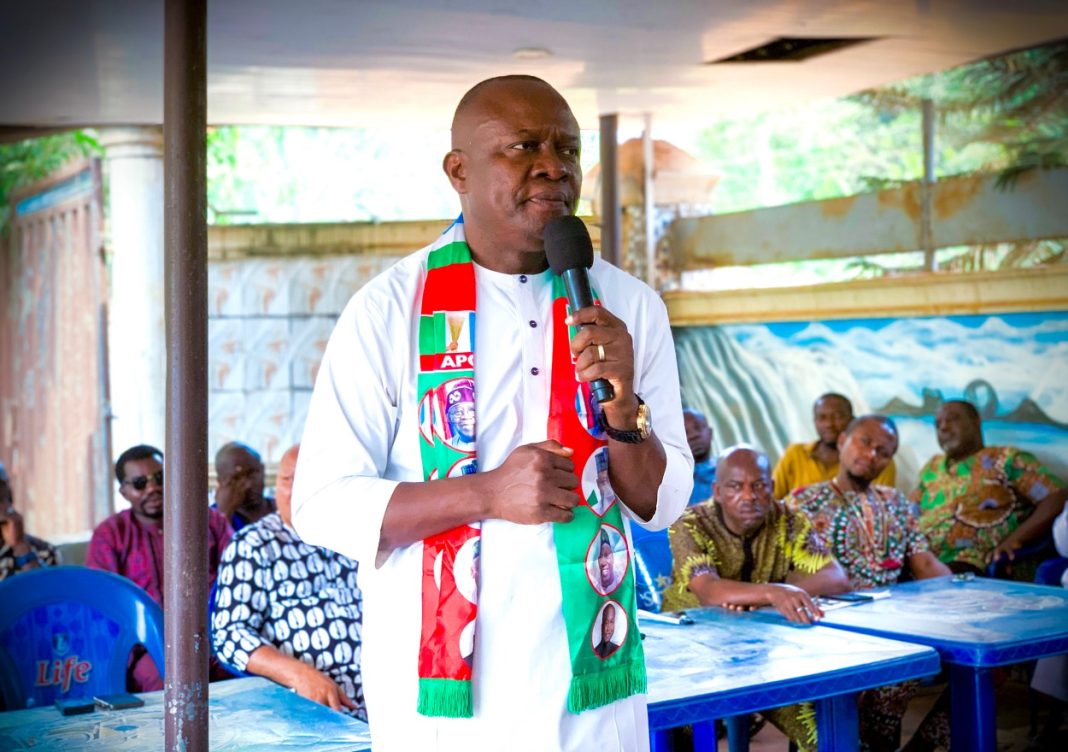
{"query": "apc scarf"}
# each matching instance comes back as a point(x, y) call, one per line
point(593, 558)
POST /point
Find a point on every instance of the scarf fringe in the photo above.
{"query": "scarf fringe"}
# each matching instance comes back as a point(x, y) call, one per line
point(446, 698)
point(604, 687)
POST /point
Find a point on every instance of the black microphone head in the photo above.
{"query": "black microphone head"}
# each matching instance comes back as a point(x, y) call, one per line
point(568, 244)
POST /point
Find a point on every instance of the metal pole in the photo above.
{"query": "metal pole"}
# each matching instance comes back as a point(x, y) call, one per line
point(648, 204)
point(611, 214)
point(928, 183)
point(185, 540)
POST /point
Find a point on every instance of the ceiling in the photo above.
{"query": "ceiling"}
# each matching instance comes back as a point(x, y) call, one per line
point(406, 62)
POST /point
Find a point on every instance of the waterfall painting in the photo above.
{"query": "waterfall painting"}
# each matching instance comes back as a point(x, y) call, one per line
point(756, 382)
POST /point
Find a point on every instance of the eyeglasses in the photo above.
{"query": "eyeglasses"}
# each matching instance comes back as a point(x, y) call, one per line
point(140, 483)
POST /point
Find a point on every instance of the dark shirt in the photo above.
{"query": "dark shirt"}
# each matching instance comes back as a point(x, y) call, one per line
point(704, 475)
point(239, 520)
point(605, 648)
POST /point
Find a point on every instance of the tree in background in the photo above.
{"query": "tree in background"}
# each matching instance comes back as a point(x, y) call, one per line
point(280, 174)
point(1016, 103)
point(1007, 114)
point(1010, 114)
point(24, 162)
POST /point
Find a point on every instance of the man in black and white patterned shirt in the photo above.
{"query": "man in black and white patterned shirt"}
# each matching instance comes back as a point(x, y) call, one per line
point(290, 611)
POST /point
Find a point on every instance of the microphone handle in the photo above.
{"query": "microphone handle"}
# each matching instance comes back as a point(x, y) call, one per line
point(580, 295)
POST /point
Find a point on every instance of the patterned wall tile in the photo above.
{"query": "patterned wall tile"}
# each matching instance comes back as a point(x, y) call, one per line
point(267, 347)
point(268, 423)
point(301, 400)
point(226, 354)
point(309, 338)
point(225, 288)
point(226, 419)
point(269, 322)
point(310, 281)
point(266, 287)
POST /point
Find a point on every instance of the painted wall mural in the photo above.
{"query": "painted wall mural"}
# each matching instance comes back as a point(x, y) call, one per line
point(757, 382)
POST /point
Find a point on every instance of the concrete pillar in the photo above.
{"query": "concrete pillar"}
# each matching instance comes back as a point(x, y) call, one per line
point(136, 335)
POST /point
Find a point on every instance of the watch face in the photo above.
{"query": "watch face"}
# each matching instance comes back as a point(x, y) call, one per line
point(645, 420)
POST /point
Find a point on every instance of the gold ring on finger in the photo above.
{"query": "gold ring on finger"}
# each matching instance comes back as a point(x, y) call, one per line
point(600, 353)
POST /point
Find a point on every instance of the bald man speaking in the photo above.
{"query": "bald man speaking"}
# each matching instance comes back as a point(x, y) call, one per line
point(476, 541)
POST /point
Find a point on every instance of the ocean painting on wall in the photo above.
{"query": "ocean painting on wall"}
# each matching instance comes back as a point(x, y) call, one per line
point(756, 382)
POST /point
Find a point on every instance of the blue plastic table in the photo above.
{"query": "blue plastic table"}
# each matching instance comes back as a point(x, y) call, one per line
point(728, 664)
point(244, 714)
point(974, 625)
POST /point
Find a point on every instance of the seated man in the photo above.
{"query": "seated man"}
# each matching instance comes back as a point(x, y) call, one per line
point(872, 533)
point(978, 503)
point(19, 552)
point(699, 437)
point(744, 549)
point(271, 586)
point(239, 485)
point(802, 464)
point(130, 543)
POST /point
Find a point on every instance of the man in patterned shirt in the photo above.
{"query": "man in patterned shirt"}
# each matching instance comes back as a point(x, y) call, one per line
point(812, 462)
point(19, 552)
point(743, 549)
point(872, 533)
point(980, 503)
point(288, 610)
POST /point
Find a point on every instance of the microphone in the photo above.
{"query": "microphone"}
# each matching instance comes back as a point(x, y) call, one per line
point(570, 252)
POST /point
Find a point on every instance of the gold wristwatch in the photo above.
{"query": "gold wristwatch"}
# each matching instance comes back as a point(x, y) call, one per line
point(645, 426)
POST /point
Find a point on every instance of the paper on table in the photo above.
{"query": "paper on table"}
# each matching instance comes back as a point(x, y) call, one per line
point(677, 617)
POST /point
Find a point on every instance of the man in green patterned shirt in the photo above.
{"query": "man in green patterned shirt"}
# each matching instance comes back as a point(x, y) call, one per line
point(743, 549)
point(979, 503)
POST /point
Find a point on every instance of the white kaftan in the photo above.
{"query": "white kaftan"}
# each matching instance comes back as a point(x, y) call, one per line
point(361, 439)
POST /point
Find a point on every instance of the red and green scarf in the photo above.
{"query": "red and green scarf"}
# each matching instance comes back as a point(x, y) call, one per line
point(593, 558)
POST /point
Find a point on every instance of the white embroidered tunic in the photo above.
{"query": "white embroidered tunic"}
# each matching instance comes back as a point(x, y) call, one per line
point(361, 438)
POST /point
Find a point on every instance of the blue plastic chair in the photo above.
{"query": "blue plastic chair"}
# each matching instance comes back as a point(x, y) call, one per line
point(67, 633)
point(1038, 551)
point(1051, 571)
point(652, 566)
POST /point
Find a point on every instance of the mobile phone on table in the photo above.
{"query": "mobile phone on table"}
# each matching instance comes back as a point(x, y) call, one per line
point(76, 707)
point(851, 597)
point(119, 701)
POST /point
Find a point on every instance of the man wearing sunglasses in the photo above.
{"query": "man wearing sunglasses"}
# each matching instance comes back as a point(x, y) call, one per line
point(130, 542)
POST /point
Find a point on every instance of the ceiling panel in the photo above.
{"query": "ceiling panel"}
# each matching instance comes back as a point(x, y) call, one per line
point(346, 62)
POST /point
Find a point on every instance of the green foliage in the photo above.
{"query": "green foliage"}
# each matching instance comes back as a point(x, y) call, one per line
point(24, 162)
point(821, 150)
point(1008, 113)
point(283, 174)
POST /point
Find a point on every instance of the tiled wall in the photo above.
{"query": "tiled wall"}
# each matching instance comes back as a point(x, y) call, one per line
point(269, 322)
